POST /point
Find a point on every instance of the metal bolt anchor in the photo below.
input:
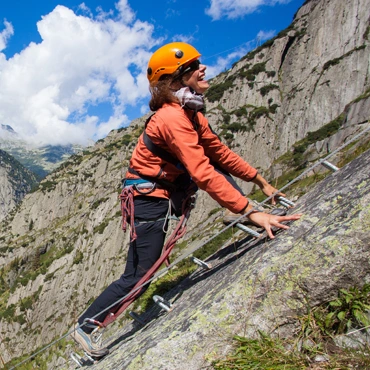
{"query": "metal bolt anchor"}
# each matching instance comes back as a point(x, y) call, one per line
point(161, 302)
point(204, 265)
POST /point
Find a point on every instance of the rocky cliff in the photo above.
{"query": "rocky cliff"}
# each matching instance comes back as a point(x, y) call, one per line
point(294, 83)
point(281, 107)
point(258, 285)
point(15, 182)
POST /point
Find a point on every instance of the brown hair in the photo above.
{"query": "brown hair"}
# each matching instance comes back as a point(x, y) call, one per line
point(162, 92)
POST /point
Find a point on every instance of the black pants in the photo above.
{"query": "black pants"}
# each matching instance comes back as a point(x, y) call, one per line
point(142, 255)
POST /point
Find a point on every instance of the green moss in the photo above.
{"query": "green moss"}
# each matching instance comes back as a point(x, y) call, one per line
point(216, 92)
point(213, 211)
point(365, 95)
point(312, 137)
point(273, 108)
point(47, 185)
point(226, 118)
point(258, 112)
point(78, 258)
point(101, 227)
point(336, 61)
point(353, 153)
point(250, 74)
point(7, 313)
point(266, 89)
point(367, 33)
point(126, 140)
point(97, 203)
point(233, 127)
point(240, 112)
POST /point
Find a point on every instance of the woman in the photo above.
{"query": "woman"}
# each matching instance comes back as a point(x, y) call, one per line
point(177, 83)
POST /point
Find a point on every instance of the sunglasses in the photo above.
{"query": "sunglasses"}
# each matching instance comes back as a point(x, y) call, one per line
point(192, 66)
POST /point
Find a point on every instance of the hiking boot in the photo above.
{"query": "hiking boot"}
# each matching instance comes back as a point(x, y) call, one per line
point(231, 217)
point(85, 340)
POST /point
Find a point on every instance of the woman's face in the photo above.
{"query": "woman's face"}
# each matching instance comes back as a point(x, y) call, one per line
point(196, 79)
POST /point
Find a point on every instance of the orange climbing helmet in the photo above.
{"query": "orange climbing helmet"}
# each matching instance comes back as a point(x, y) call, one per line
point(168, 59)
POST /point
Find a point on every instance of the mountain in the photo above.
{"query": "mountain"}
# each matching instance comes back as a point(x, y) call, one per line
point(15, 182)
point(283, 107)
point(6, 130)
point(40, 160)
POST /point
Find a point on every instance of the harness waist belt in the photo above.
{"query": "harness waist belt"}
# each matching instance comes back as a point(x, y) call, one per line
point(144, 185)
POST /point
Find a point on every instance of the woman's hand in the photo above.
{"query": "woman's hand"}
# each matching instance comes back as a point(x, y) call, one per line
point(267, 189)
point(268, 221)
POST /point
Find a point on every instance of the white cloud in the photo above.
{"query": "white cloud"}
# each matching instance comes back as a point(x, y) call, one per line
point(126, 14)
point(223, 63)
point(6, 34)
point(144, 109)
point(265, 35)
point(48, 88)
point(232, 9)
point(182, 38)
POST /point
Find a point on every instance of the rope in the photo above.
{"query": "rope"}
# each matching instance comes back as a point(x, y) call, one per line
point(127, 209)
point(185, 255)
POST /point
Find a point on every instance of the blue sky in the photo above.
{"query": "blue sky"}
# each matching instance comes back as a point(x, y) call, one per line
point(71, 71)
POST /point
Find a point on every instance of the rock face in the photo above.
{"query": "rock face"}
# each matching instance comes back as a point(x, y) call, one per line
point(15, 182)
point(259, 284)
point(299, 96)
point(294, 84)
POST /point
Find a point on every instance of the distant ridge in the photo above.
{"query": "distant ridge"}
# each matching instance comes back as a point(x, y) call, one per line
point(7, 128)
point(41, 160)
point(15, 182)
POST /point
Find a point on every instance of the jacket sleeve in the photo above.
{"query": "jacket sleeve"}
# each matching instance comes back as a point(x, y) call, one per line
point(184, 142)
point(222, 154)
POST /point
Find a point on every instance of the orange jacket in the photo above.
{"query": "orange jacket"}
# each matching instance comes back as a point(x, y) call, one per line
point(172, 129)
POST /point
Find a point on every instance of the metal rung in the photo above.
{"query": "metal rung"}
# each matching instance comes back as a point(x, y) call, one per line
point(330, 166)
point(286, 202)
point(77, 359)
point(205, 265)
point(91, 358)
point(136, 317)
point(248, 230)
point(286, 205)
point(161, 302)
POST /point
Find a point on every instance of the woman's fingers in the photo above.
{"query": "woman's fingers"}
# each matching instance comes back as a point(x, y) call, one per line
point(268, 221)
point(296, 216)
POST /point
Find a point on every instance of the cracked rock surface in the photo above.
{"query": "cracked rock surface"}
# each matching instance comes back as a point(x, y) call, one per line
point(259, 284)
